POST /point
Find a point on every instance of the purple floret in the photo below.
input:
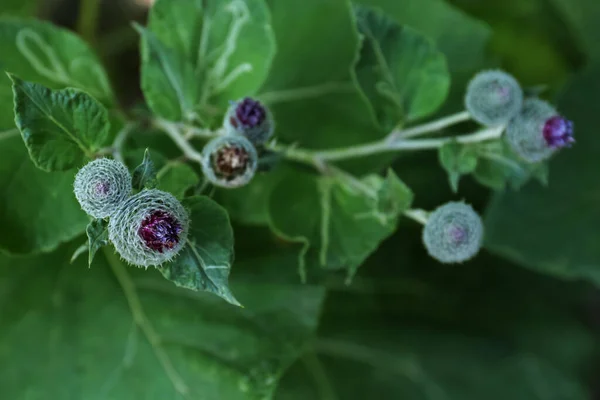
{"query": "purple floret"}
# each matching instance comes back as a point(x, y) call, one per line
point(250, 113)
point(558, 132)
point(457, 234)
point(102, 188)
point(160, 231)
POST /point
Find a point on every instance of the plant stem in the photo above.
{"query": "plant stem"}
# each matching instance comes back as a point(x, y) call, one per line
point(418, 215)
point(174, 132)
point(87, 20)
point(317, 371)
point(117, 146)
point(429, 127)
point(383, 146)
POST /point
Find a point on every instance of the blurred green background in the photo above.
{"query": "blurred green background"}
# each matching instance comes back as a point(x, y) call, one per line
point(521, 321)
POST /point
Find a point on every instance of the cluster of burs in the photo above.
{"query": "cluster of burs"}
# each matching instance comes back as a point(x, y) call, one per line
point(151, 227)
point(534, 131)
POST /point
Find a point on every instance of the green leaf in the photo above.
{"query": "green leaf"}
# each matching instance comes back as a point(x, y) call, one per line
point(460, 37)
point(311, 88)
point(343, 218)
point(221, 50)
point(144, 175)
point(205, 262)
point(498, 166)
point(61, 129)
point(176, 177)
point(38, 209)
point(250, 204)
point(168, 81)
point(554, 229)
point(43, 53)
point(402, 73)
point(457, 160)
point(97, 233)
point(138, 336)
point(448, 333)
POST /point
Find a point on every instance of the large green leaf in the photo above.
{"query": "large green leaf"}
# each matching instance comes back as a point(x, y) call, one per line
point(461, 38)
point(401, 71)
point(43, 53)
point(311, 88)
point(555, 229)
point(162, 342)
point(205, 262)
point(221, 50)
point(38, 209)
point(419, 330)
point(341, 218)
point(60, 128)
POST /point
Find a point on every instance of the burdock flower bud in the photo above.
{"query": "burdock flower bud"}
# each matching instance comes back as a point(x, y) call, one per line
point(229, 161)
point(149, 228)
point(251, 119)
point(493, 98)
point(453, 233)
point(101, 186)
point(538, 131)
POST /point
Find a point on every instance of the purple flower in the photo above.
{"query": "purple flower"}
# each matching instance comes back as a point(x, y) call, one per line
point(102, 188)
point(457, 234)
point(249, 113)
point(160, 231)
point(558, 132)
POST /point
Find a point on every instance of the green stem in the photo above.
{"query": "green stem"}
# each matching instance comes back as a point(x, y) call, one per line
point(418, 215)
point(433, 126)
point(174, 132)
point(87, 20)
point(315, 368)
point(384, 146)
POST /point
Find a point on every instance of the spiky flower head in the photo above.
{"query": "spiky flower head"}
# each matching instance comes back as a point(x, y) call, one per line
point(101, 186)
point(229, 161)
point(149, 228)
point(453, 233)
point(538, 131)
point(251, 119)
point(493, 97)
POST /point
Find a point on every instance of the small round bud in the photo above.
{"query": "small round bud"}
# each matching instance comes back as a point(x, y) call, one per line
point(453, 233)
point(538, 131)
point(149, 228)
point(251, 119)
point(493, 98)
point(101, 186)
point(229, 161)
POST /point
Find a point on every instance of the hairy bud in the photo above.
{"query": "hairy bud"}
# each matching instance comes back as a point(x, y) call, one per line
point(149, 228)
point(251, 119)
point(538, 131)
point(229, 161)
point(493, 98)
point(453, 233)
point(101, 186)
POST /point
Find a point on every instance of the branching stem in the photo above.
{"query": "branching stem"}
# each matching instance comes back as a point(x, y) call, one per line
point(174, 131)
point(429, 127)
point(397, 140)
point(383, 146)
